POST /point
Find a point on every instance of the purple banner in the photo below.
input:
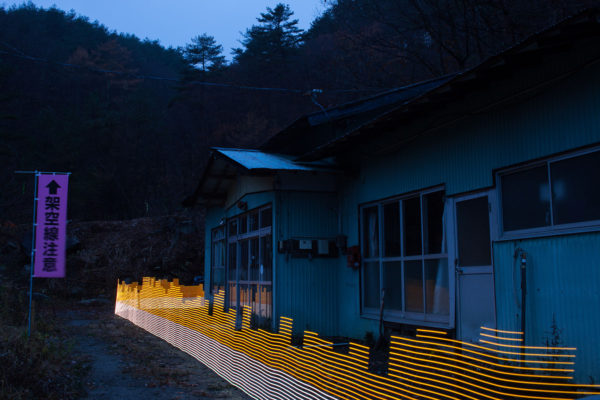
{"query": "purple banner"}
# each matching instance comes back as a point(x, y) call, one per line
point(51, 226)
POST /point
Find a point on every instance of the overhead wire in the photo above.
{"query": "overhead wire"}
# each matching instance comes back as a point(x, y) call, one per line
point(19, 54)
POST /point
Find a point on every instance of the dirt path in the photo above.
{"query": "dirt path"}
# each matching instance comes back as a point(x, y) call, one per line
point(128, 363)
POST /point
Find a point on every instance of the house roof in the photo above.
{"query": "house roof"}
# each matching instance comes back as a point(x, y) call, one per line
point(260, 161)
point(313, 130)
point(225, 164)
point(312, 138)
point(580, 30)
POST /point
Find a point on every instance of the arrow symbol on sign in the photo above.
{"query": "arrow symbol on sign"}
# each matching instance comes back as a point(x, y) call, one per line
point(53, 187)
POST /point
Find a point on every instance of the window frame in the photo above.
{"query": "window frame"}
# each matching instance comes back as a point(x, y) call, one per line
point(552, 229)
point(403, 316)
point(236, 239)
point(213, 265)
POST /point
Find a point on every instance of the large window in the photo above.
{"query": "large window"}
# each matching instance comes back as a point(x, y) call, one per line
point(557, 193)
point(250, 265)
point(404, 256)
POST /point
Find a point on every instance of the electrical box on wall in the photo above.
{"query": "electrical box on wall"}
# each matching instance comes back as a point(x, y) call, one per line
point(353, 257)
point(309, 248)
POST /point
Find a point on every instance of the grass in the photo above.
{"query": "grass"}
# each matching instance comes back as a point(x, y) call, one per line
point(42, 366)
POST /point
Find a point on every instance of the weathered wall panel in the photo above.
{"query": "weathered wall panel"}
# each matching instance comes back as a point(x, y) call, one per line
point(247, 184)
point(306, 290)
point(563, 282)
point(463, 157)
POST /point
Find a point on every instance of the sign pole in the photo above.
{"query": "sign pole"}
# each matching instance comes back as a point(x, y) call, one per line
point(35, 200)
point(51, 243)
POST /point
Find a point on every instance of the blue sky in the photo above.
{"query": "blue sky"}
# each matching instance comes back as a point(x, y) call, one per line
point(175, 22)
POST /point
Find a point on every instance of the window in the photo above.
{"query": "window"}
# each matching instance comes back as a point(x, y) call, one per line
point(217, 265)
point(559, 192)
point(405, 257)
point(250, 265)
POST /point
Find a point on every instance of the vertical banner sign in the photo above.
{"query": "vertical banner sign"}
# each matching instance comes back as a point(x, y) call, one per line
point(51, 226)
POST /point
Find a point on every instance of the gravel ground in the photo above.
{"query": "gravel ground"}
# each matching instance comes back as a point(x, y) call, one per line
point(126, 362)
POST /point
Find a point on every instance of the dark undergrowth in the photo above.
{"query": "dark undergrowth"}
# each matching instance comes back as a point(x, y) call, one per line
point(42, 366)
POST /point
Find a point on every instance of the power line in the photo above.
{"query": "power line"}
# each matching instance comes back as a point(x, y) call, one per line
point(19, 54)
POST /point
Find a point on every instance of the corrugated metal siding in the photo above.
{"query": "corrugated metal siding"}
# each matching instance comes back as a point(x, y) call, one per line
point(463, 157)
point(563, 280)
point(247, 184)
point(351, 323)
point(306, 290)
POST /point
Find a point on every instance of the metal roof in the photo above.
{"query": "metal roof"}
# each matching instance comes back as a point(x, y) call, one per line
point(256, 160)
point(225, 164)
point(316, 129)
point(584, 26)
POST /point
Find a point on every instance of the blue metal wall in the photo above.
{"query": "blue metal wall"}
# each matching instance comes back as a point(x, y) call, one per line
point(306, 290)
point(463, 157)
point(351, 323)
point(563, 281)
point(323, 295)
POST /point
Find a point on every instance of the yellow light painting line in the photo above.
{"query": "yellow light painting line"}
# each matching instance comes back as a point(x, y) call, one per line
point(359, 352)
point(277, 397)
point(360, 376)
point(421, 383)
point(501, 338)
point(415, 394)
point(482, 361)
point(462, 350)
point(335, 390)
point(446, 384)
point(322, 366)
point(328, 354)
point(419, 388)
point(442, 382)
point(310, 374)
point(499, 331)
point(546, 384)
point(535, 347)
point(432, 331)
point(500, 351)
point(475, 366)
point(518, 396)
point(351, 388)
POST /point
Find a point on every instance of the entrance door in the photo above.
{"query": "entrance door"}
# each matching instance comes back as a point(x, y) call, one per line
point(474, 270)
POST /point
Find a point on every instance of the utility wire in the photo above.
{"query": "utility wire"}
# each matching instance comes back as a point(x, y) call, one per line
point(19, 54)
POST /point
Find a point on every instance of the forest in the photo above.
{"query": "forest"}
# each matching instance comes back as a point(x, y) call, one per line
point(133, 121)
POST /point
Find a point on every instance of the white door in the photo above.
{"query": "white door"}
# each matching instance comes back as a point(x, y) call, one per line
point(474, 269)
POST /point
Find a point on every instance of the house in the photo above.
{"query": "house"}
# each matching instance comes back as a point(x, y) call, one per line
point(467, 201)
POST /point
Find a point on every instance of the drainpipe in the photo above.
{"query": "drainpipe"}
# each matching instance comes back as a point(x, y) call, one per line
point(523, 293)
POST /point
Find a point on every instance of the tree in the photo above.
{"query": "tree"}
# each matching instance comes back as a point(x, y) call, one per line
point(394, 42)
point(274, 39)
point(204, 53)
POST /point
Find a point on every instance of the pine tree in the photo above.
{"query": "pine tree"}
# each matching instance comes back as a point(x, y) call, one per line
point(274, 39)
point(204, 53)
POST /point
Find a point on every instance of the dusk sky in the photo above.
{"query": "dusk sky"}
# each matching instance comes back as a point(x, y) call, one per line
point(174, 23)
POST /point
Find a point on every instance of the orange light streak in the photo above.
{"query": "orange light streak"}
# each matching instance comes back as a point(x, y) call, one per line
point(266, 366)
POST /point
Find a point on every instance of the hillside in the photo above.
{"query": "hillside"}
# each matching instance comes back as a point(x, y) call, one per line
point(61, 111)
point(133, 121)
